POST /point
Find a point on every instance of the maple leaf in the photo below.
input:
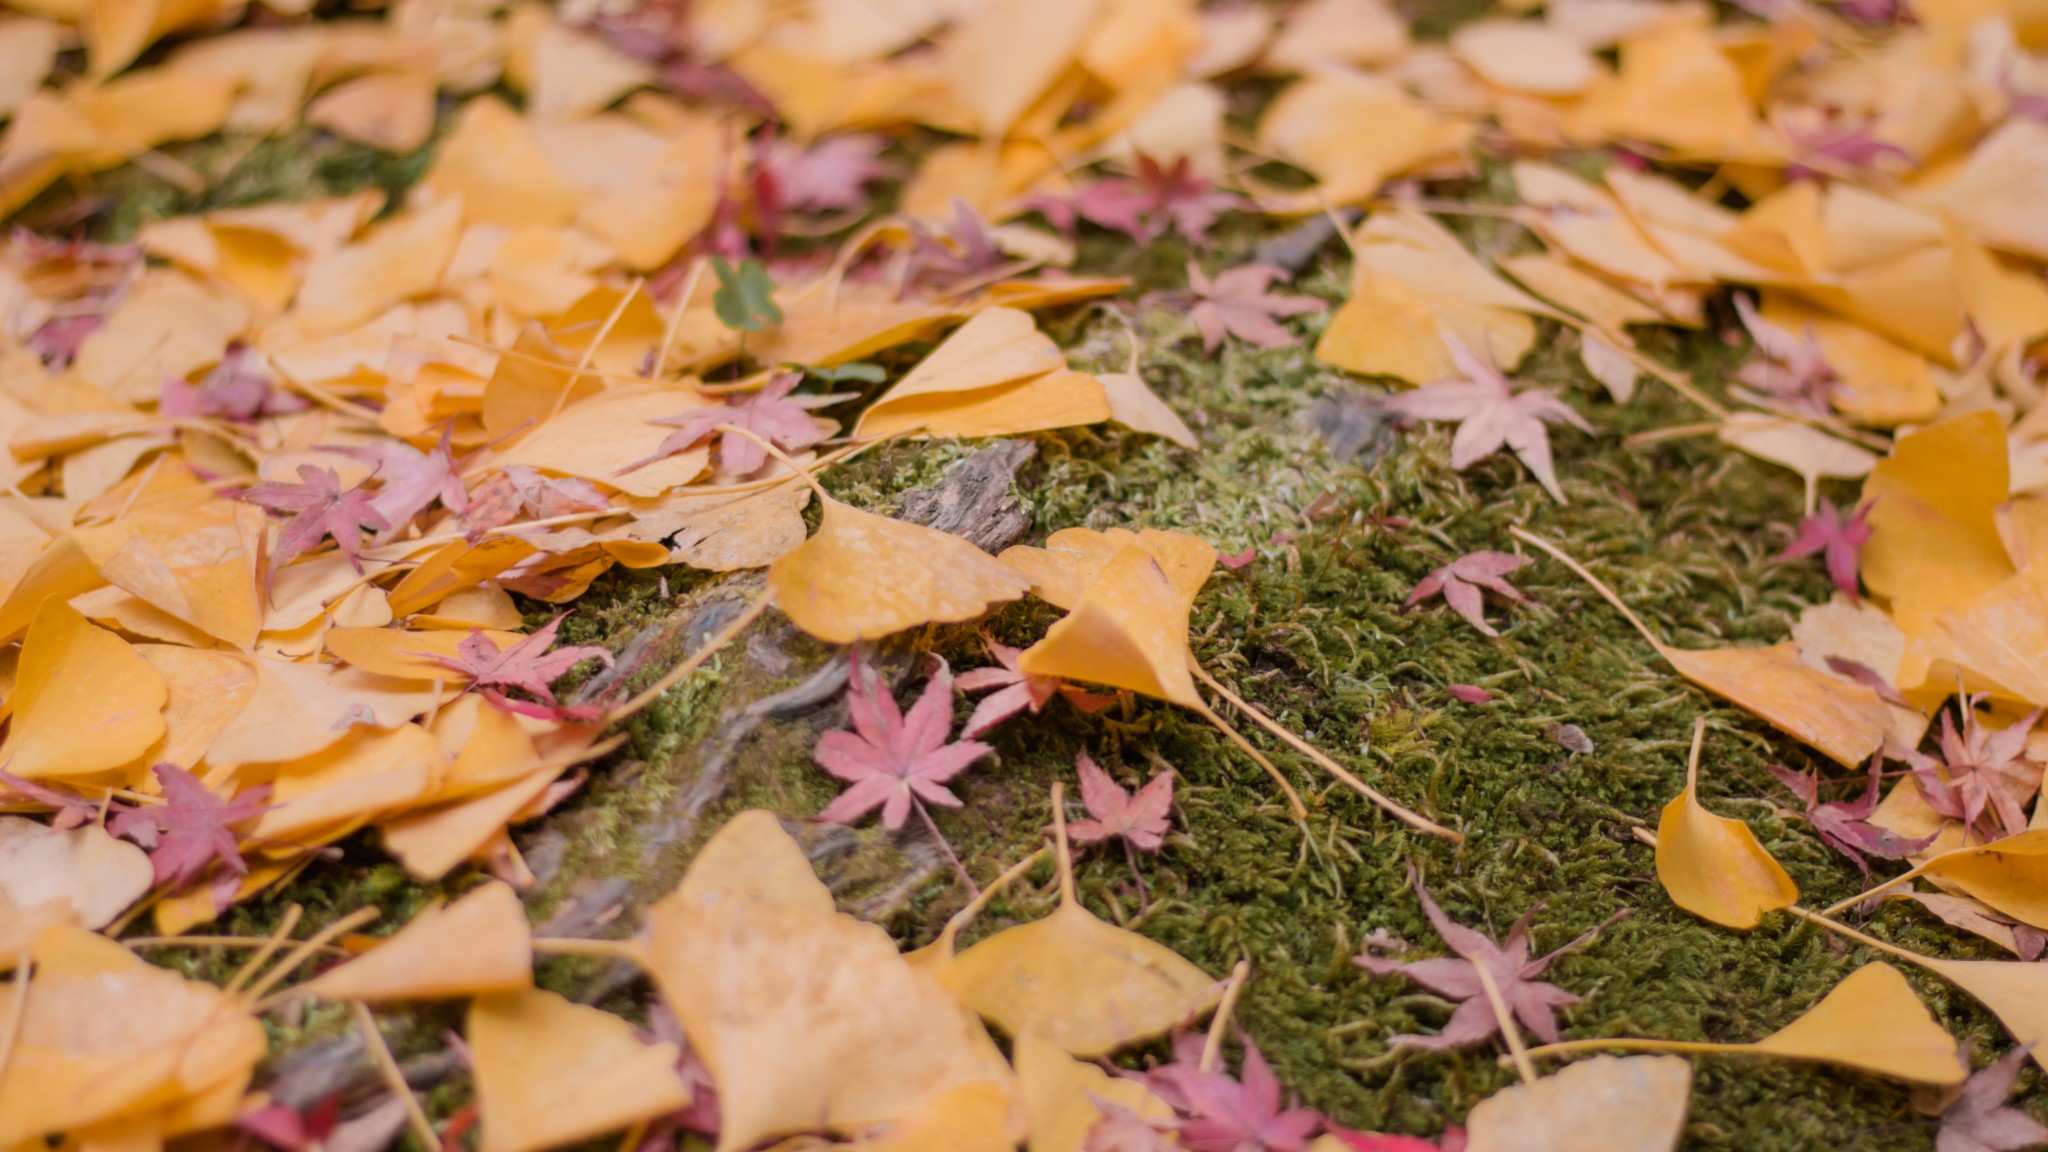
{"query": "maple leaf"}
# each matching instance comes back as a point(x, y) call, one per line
point(527, 666)
point(1794, 370)
point(1840, 538)
point(1976, 1118)
point(72, 811)
point(1236, 302)
point(1147, 202)
point(1464, 582)
point(830, 174)
point(409, 480)
point(1835, 146)
point(1225, 1114)
point(1514, 974)
point(239, 388)
point(1020, 691)
point(702, 1115)
point(191, 831)
point(517, 490)
point(964, 250)
point(769, 414)
point(1491, 415)
point(320, 508)
point(1123, 1129)
point(286, 1128)
point(1867, 676)
point(1140, 820)
point(1454, 1138)
point(892, 760)
point(1843, 824)
point(1983, 778)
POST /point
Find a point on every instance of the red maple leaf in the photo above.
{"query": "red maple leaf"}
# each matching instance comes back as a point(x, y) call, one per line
point(1140, 820)
point(409, 480)
point(1123, 1129)
point(1453, 1141)
point(1514, 974)
point(1226, 1114)
point(1843, 824)
point(192, 831)
point(527, 666)
point(319, 509)
point(1840, 538)
point(1465, 581)
point(1983, 778)
point(1236, 303)
point(1491, 416)
point(239, 388)
point(894, 761)
point(1020, 691)
point(964, 250)
point(768, 414)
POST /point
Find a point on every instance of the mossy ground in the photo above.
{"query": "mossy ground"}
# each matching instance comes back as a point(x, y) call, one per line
point(1315, 632)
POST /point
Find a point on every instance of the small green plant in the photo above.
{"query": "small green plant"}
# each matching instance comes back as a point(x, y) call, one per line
point(745, 300)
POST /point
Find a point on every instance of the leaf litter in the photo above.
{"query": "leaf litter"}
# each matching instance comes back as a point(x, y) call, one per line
point(285, 482)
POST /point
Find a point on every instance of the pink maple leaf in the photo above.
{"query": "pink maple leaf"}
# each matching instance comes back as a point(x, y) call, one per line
point(289, 1130)
point(1837, 145)
point(239, 388)
point(1453, 1141)
point(517, 490)
point(1983, 778)
point(769, 414)
point(72, 811)
point(892, 760)
point(962, 251)
point(319, 509)
point(1123, 1129)
point(527, 666)
point(1843, 824)
point(1020, 691)
point(1840, 538)
point(1146, 203)
point(1514, 974)
point(1792, 369)
point(409, 480)
point(1139, 820)
point(1465, 581)
point(192, 831)
point(1226, 1114)
point(1976, 1118)
point(1236, 303)
point(1491, 415)
point(829, 174)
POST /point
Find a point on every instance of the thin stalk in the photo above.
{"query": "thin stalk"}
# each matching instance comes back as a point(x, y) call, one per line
point(1870, 894)
point(1637, 1044)
point(1505, 1018)
point(1843, 930)
point(1131, 858)
point(1294, 804)
point(675, 324)
point(211, 942)
point(945, 846)
point(607, 949)
point(1386, 803)
point(1219, 1025)
point(394, 1078)
point(1063, 853)
point(680, 672)
point(982, 899)
point(266, 949)
point(1606, 593)
point(604, 331)
point(304, 951)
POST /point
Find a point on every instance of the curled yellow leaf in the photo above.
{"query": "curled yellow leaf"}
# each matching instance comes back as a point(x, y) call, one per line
point(1713, 866)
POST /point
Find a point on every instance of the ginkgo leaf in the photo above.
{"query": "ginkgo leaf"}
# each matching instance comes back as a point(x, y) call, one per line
point(400, 654)
point(1070, 978)
point(84, 700)
point(1063, 1095)
point(1606, 1104)
point(1872, 1021)
point(1128, 630)
point(1713, 866)
point(809, 1018)
point(1807, 450)
point(751, 857)
point(95, 874)
point(997, 375)
point(971, 1118)
point(478, 945)
point(2009, 874)
point(551, 1072)
point(1074, 558)
point(863, 576)
point(1934, 541)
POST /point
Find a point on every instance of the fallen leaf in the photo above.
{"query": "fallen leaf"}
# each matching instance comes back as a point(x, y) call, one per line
point(84, 701)
point(1976, 1118)
point(1606, 1104)
point(768, 414)
point(1840, 538)
point(1065, 1097)
point(1225, 1113)
point(893, 761)
point(1490, 415)
point(1072, 979)
point(1713, 866)
point(480, 945)
point(996, 376)
point(189, 834)
point(320, 509)
point(551, 1072)
point(1844, 824)
point(1139, 820)
point(1934, 540)
point(97, 876)
point(1464, 582)
point(1237, 303)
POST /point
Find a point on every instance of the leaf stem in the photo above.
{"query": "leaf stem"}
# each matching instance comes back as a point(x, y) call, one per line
point(609, 949)
point(302, 953)
point(1294, 804)
point(394, 1078)
point(1605, 592)
point(982, 899)
point(1219, 1025)
point(16, 1011)
point(946, 846)
point(266, 949)
point(1505, 1018)
point(1635, 1044)
point(1063, 854)
point(681, 671)
point(1386, 803)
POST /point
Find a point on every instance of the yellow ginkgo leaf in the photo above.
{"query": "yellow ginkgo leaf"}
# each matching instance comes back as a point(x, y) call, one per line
point(970, 1118)
point(1064, 1095)
point(84, 700)
point(1872, 1021)
point(1845, 720)
point(87, 870)
point(1674, 87)
point(393, 111)
point(1713, 866)
point(1074, 558)
point(1606, 1104)
point(197, 563)
point(325, 796)
point(478, 945)
point(1001, 63)
point(863, 576)
point(1934, 540)
point(810, 1019)
point(207, 688)
point(298, 710)
point(407, 655)
point(453, 567)
point(998, 374)
point(393, 261)
point(2011, 875)
point(1086, 986)
point(431, 842)
point(750, 857)
point(493, 163)
point(1128, 630)
point(1309, 125)
point(550, 1072)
